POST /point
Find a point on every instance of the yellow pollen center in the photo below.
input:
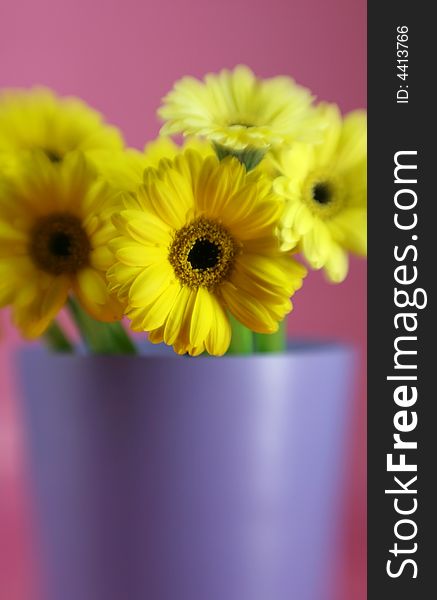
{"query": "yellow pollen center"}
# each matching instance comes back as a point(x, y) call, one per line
point(59, 244)
point(202, 254)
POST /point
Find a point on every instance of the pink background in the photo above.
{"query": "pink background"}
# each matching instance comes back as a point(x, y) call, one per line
point(122, 56)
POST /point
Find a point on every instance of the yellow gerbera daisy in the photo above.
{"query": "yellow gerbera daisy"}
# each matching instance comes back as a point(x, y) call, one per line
point(326, 190)
point(54, 238)
point(37, 119)
point(196, 241)
point(238, 110)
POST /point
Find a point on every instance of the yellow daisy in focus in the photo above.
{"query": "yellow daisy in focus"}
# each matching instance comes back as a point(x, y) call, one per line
point(326, 191)
point(238, 110)
point(195, 243)
point(54, 235)
point(37, 119)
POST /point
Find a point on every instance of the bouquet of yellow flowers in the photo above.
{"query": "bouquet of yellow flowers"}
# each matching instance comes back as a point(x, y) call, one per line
point(195, 244)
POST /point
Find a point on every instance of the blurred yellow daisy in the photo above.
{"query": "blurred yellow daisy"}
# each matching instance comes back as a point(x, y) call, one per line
point(37, 119)
point(238, 110)
point(198, 241)
point(326, 191)
point(124, 170)
point(54, 236)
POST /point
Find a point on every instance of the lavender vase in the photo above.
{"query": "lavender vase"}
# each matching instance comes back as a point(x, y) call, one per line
point(168, 478)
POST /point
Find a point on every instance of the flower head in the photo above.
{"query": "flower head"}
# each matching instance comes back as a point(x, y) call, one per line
point(326, 192)
point(54, 234)
point(238, 110)
point(38, 119)
point(196, 242)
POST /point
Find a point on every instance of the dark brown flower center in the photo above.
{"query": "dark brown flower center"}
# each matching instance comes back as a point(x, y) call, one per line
point(53, 156)
point(322, 193)
point(59, 244)
point(203, 254)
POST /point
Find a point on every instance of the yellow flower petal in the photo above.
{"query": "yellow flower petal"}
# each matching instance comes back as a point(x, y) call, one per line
point(137, 255)
point(93, 293)
point(219, 336)
point(176, 316)
point(337, 265)
point(55, 297)
point(168, 204)
point(150, 283)
point(350, 230)
point(273, 273)
point(202, 317)
point(156, 336)
point(353, 142)
point(316, 245)
point(157, 312)
point(92, 286)
point(34, 318)
point(216, 185)
point(247, 309)
point(145, 229)
point(101, 258)
point(325, 152)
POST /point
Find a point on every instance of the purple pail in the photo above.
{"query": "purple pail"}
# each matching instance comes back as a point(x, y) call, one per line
point(168, 478)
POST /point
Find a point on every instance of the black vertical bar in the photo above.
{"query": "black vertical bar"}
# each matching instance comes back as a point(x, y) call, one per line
point(402, 501)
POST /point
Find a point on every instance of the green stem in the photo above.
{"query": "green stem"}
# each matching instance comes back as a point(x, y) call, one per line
point(242, 338)
point(100, 338)
point(273, 342)
point(56, 339)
